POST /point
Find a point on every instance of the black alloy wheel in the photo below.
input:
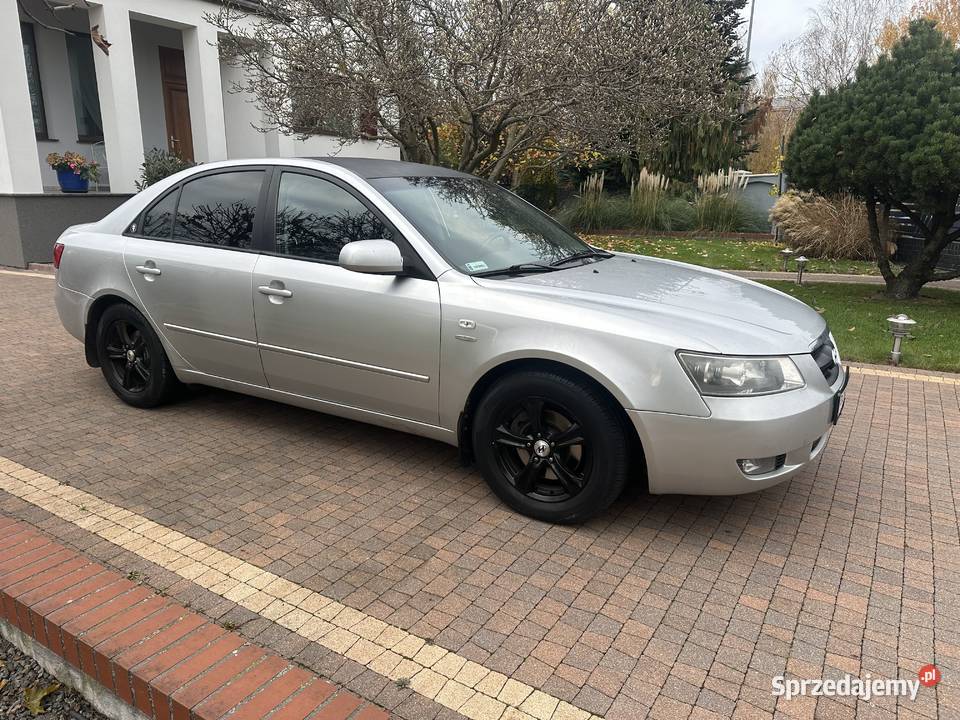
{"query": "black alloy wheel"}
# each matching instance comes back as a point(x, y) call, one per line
point(542, 451)
point(132, 358)
point(129, 356)
point(552, 446)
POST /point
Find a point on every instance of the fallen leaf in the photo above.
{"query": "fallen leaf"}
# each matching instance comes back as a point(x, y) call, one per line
point(3, 683)
point(33, 697)
point(851, 329)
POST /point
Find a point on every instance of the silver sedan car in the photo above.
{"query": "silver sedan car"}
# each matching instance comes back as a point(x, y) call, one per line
point(436, 303)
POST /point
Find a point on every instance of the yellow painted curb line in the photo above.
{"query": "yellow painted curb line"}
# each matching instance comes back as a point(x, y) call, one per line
point(915, 377)
point(440, 675)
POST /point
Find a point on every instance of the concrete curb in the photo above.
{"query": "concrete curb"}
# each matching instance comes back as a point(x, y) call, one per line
point(107, 635)
point(98, 696)
point(833, 278)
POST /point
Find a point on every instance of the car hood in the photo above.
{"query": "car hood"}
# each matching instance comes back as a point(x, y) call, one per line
point(715, 310)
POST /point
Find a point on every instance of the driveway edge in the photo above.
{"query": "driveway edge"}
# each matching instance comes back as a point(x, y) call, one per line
point(134, 654)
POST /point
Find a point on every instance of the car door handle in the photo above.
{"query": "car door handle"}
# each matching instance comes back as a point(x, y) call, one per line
point(148, 270)
point(275, 291)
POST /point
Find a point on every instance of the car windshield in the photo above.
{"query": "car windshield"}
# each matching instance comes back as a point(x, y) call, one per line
point(479, 227)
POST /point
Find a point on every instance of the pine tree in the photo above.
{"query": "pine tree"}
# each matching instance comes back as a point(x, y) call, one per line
point(892, 138)
point(704, 143)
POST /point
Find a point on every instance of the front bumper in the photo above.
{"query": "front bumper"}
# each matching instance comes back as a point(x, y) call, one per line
point(698, 455)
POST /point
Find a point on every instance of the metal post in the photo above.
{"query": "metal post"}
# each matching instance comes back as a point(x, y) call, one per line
point(801, 263)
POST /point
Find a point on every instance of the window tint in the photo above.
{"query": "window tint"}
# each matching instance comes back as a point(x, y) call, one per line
point(316, 218)
point(158, 220)
point(219, 209)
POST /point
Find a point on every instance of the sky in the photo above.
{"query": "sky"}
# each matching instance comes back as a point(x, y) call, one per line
point(774, 23)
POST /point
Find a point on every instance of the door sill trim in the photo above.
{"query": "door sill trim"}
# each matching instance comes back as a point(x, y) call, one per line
point(416, 377)
point(347, 363)
point(417, 427)
point(212, 335)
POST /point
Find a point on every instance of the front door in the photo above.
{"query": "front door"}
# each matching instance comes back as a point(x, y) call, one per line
point(191, 262)
point(363, 341)
point(176, 106)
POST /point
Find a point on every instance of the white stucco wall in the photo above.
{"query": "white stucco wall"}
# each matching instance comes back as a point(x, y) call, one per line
point(241, 118)
point(58, 96)
point(240, 115)
point(152, 24)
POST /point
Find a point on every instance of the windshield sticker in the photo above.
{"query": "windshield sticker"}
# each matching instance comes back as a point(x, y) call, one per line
point(475, 266)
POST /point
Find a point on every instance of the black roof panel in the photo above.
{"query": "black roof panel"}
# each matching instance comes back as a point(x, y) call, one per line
point(369, 168)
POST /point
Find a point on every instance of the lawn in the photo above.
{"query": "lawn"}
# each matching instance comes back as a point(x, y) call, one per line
point(857, 316)
point(723, 254)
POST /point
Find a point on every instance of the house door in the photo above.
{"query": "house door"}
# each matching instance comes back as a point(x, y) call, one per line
point(173, 76)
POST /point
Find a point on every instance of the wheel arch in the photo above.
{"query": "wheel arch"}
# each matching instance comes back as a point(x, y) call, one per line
point(96, 310)
point(516, 365)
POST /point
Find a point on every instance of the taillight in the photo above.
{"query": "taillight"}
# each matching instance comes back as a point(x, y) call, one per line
point(57, 252)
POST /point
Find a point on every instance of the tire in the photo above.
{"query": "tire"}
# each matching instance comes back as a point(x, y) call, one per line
point(566, 467)
point(147, 380)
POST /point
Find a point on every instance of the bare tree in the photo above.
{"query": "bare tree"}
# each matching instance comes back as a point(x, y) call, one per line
point(838, 37)
point(500, 77)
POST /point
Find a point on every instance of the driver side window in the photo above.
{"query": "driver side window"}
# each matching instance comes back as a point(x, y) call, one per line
point(316, 218)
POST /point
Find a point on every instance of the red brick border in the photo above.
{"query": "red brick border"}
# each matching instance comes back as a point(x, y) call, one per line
point(164, 660)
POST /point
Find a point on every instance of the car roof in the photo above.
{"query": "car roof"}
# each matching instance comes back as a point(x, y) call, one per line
point(369, 168)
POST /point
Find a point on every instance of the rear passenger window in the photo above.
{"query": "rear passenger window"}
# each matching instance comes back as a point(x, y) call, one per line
point(315, 218)
point(158, 220)
point(219, 209)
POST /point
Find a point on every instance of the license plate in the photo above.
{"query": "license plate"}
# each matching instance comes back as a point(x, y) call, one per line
point(837, 407)
point(838, 399)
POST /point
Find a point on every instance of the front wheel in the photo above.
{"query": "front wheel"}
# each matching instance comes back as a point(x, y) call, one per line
point(551, 447)
point(132, 358)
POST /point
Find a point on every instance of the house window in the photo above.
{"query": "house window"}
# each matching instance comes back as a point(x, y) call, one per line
point(33, 80)
point(83, 78)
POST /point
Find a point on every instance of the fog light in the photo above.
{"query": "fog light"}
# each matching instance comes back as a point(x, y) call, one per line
point(758, 466)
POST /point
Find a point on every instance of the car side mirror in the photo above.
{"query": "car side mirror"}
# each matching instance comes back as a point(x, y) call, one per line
point(377, 257)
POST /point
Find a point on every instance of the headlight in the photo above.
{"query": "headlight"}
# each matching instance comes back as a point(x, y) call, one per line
point(725, 376)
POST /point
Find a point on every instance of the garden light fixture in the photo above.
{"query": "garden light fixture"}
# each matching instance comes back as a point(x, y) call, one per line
point(801, 264)
point(785, 254)
point(900, 327)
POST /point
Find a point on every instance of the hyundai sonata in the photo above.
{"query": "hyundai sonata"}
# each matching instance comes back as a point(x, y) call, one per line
point(437, 303)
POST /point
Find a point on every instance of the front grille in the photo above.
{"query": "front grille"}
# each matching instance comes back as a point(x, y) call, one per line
point(823, 356)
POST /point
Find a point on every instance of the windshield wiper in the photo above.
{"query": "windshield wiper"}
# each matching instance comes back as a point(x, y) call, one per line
point(582, 255)
point(522, 268)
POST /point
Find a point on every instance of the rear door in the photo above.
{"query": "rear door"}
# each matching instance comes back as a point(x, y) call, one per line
point(364, 341)
point(191, 261)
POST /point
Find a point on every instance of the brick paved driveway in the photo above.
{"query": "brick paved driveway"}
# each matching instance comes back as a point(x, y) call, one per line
point(669, 606)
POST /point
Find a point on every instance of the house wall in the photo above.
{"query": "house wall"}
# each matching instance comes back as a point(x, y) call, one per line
point(244, 140)
point(173, 23)
point(30, 224)
point(240, 116)
point(58, 94)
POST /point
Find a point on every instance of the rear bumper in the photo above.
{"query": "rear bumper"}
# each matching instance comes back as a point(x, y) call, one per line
point(698, 456)
point(72, 309)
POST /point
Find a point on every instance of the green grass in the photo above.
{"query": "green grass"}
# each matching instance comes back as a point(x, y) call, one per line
point(724, 254)
point(858, 314)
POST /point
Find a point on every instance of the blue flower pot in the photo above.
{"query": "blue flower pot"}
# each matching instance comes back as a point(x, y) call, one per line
point(70, 182)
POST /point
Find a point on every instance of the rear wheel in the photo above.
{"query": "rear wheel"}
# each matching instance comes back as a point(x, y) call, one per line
point(551, 447)
point(132, 358)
